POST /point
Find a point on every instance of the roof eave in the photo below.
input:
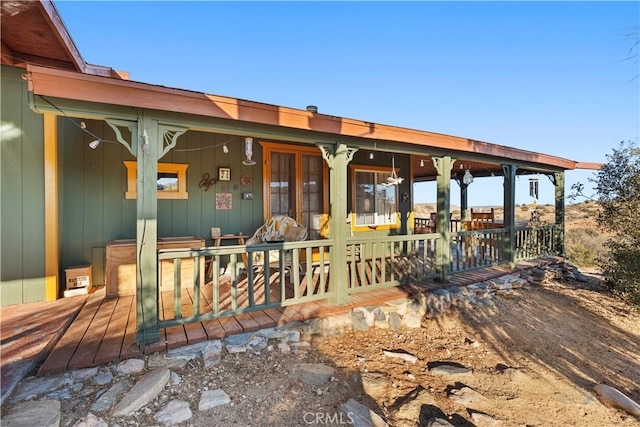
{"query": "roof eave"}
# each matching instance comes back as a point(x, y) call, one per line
point(90, 88)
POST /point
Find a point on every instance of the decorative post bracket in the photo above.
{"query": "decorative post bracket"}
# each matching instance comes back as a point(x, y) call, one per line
point(170, 136)
point(132, 127)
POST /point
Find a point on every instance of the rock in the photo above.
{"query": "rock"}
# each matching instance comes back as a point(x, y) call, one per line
point(379, 315)
point(312, 373)
point(407, 357)
point(174, 412)
point(466, 396)
point(187, 352)
point(130, 366)
point(212, 398)
point(236, 348)
point(438, 422)
point(36, 386)
point(337, 323)
point(83, 374)
point(482, 420)
point(175, 379)
point(412, 320)
point(375, 384)
point(315, 326)
point(284, 347)
point(293, 336)
point(145, 390)
point(159, 360)
point(410, 406)
point(394, 321)
point(257, 344)
point(107, 400)
point(239, 339)
point(449, 369)
point(359, 320)
point(613, 397)
point(360, 416)
point(271, 333)
point(91, 421)
point(103, 378)
point(42, 413)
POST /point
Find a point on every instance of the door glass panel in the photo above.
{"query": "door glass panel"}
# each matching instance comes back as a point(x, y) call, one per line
point(312, 187)
point(282, 184)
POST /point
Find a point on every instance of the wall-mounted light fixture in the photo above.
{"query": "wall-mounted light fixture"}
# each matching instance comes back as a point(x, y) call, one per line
point(248, 151)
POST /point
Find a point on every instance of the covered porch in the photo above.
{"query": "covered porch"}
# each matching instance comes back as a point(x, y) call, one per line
point(349, 182)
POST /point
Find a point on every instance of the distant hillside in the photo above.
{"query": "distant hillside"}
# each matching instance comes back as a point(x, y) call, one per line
point(579, 215)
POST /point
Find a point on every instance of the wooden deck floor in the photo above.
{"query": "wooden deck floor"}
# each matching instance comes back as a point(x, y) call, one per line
point(104, 330)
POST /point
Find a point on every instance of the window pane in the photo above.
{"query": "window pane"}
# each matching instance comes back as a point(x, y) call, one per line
point(375, 203)
point(167, 181)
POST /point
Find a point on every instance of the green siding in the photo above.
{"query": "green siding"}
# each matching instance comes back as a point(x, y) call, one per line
point(93, 183)
point(21, 194)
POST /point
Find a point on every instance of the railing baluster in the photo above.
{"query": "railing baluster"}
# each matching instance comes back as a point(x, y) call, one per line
point(177, 288)
point(196, 285)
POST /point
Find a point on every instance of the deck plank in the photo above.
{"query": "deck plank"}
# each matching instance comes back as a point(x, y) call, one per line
point(111, 344)
point(62, 353)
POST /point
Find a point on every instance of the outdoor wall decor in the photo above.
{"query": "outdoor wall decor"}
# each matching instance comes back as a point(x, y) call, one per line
point(224, 201)
point(247, 196)
point(224, 174)
point(207, 181)
point(246, 180)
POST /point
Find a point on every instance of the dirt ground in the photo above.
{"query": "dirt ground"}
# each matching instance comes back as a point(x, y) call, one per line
point(535, 359)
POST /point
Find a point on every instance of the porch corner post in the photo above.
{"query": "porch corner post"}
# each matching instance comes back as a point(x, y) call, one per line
point(560, 212)
point(510, 212)
point(443, 166)
point(145, 143)
point(337, 159)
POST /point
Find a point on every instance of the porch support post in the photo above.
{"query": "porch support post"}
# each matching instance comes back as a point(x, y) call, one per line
point(443, 254)
point(464, 201)
point(558, 180)
point(509, 171)
point(337, 158)
point(145, 142)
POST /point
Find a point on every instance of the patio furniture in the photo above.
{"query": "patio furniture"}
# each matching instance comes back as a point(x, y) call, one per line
point(277, 229)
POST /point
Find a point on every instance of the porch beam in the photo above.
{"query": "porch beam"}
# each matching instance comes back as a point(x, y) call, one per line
point(146, 137)
point(560, 212)
point(338, 157)
point(443, 256)
point(509, 171)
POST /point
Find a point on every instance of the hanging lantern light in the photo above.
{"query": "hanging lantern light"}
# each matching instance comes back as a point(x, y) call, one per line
point(248, 151)
point(467, 178)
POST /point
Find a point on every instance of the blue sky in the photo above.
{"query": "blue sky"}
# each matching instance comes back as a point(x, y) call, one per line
point(542, 76)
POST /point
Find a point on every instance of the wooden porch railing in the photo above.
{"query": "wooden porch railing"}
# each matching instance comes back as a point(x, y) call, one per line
point(478, 249)
point(386, 262)
point(535, 242)
point(301, 270)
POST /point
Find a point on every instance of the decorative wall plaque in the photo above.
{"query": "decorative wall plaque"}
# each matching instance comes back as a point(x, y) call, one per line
point(224, 201)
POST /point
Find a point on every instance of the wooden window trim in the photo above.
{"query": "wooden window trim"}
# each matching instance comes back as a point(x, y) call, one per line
point(369, 168)
point(177, 168)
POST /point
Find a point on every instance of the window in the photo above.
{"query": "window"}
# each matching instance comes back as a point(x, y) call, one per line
point(171, 184)
point(373, 203)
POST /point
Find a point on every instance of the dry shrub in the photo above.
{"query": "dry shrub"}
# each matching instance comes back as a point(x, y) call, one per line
point(585, 247)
